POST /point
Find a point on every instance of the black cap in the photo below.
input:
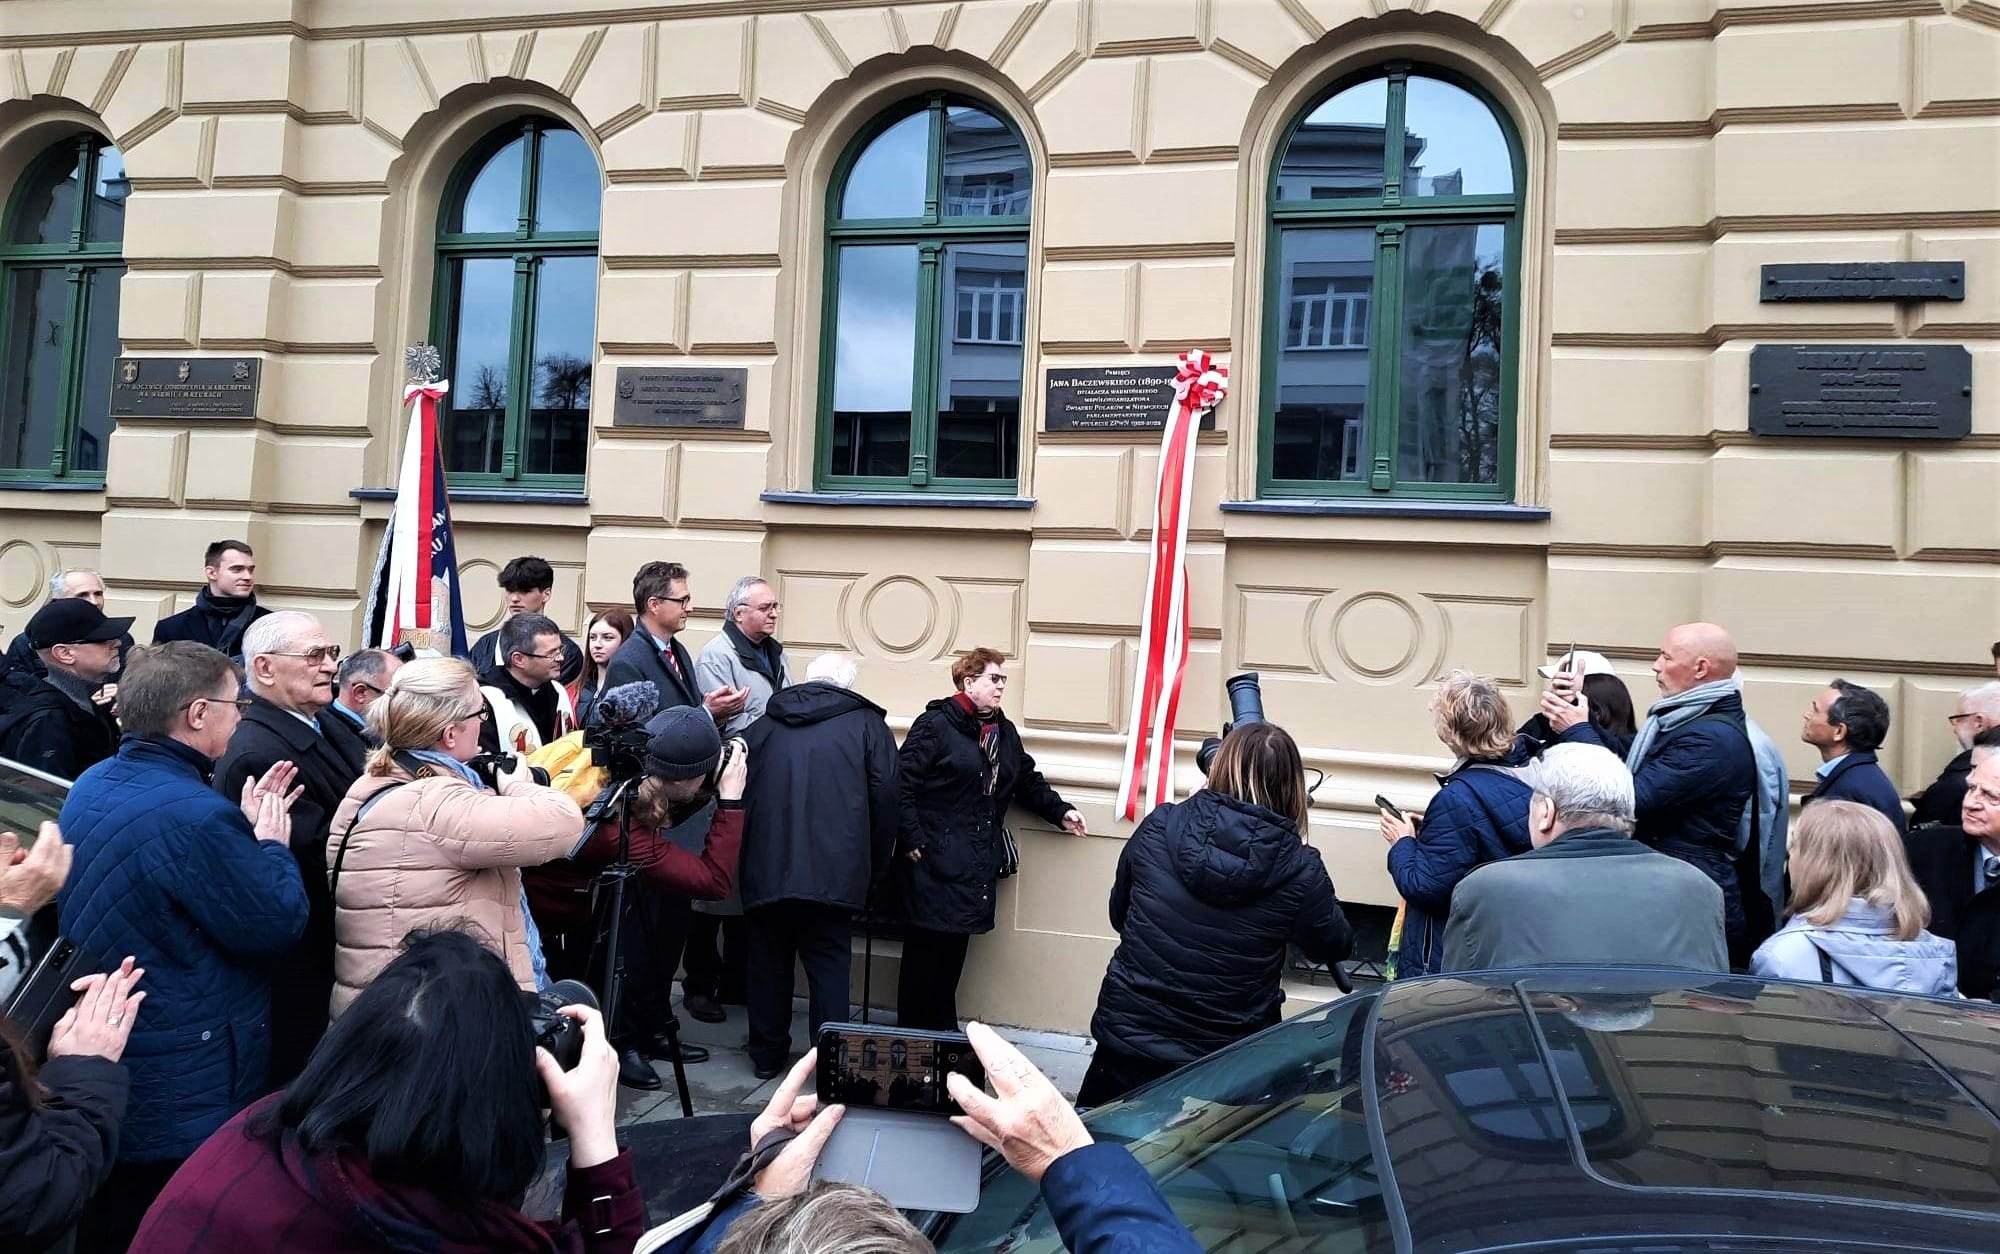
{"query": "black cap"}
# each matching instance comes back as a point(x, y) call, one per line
point(73, 620)
point(682, 743)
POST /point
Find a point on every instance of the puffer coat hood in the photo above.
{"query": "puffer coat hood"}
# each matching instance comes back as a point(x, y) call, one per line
point(1862, 949)
point(1210, 894)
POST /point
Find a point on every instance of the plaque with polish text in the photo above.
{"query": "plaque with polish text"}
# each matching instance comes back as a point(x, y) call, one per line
point(184, 387)
point(1111, 398)
point(1864, 280)
point(1902, 391)
point(709, 397)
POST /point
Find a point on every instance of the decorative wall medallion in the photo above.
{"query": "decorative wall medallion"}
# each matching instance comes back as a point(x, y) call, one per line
point(899, 614)
point(1377, 635)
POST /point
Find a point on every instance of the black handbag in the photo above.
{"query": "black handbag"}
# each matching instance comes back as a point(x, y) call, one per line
point(1010, 854)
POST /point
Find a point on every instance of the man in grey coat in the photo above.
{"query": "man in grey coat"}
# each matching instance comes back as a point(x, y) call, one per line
point(1587, 893)
point(746, 654)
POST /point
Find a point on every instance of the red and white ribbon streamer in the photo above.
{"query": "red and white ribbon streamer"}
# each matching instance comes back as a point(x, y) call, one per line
point(1199, 385)
point(411, 539)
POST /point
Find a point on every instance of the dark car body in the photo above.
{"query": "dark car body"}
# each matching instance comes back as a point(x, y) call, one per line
point(1572, 1110)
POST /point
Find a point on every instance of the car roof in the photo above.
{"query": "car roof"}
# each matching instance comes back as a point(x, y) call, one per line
point(1572, 1105)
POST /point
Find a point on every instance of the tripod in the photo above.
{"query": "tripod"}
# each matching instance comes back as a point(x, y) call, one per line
point(613, 880)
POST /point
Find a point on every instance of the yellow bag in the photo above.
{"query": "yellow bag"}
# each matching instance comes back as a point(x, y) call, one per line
point(572, 769)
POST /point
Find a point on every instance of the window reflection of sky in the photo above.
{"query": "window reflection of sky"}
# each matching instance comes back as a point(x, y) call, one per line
point(876, 328)
point(1460, 137)
point(567, 191)
point(887, 179)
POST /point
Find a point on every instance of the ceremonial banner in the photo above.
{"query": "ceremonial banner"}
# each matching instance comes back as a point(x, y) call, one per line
point(1199, 384)
point(415, 593)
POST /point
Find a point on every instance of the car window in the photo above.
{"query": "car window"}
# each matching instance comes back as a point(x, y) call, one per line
point(1262, 1146)
point(27, 798)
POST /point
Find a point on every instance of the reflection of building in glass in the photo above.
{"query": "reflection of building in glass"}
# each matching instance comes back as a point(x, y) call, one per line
point(979, 362)
point(1450, 347)
point(1327, 295)
point(986, 172)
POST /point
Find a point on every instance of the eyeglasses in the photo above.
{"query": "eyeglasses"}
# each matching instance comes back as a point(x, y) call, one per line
point(318, 657)
point(1953, 718)
point(544, 657)
point(484, 714)
point(242, 704)
point(768, 608)
point(682, 601)
point(362, 683)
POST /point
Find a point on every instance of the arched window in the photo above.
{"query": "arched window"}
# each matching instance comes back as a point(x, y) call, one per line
point(59, 272)
point(516, 307)
point(1392, 309)
point(926, 303)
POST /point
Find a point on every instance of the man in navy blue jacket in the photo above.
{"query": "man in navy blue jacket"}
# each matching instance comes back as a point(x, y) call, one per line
point(1847, 723)
point(203, 891)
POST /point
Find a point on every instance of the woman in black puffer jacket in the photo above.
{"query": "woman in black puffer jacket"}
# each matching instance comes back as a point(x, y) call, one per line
point(1209, 894)
point(960, 767)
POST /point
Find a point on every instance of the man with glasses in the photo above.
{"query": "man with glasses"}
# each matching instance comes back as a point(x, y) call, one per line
point(53, 722)
point(290, 664)
point(82, 585)
point(1978, 710)
point(661, 606)
point(1958, 867)
point(747, 653)
point(530, 707)
point(361, 681)
point(201, 890)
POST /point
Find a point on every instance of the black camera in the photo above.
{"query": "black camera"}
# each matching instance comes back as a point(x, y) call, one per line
point(554, 1031)
point(1246, 706)
point(489, 767)
point(714, 781)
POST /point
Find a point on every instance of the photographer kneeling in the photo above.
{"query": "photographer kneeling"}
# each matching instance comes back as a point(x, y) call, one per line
point(423, 842)
point(1209, 893)
point(416, 1125)
point(681, 753)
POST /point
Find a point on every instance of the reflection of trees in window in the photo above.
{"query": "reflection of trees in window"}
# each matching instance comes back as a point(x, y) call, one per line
point(60, 267)
point(926, 304)
point(1391, 362)
point(516, 306)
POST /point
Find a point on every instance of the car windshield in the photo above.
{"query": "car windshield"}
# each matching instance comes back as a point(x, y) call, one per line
point(1263, 1147)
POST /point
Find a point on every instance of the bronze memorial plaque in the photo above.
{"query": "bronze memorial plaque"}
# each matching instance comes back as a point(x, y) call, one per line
point(1111, 398)
point(1864, 280)
point(1902, 391)
point(680, 396)
point(184, 387)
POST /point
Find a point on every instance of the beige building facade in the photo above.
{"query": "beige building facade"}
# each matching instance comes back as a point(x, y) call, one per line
point(1486, 273)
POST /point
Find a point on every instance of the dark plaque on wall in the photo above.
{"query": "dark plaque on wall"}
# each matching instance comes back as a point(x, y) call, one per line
point(1887, 391)
point(1111, 398)
point(680, 396)
point(1865, 280)
point(184, 387)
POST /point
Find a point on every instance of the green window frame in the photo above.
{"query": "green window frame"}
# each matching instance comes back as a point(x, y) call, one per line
point(527, 439)
point(1378, 316)
point(990, 211)
point(84, 338)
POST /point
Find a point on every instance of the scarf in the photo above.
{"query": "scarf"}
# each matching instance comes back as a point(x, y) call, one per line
point(764, 656)
point(75, 688)
point(1671, 713)
point(989, 737)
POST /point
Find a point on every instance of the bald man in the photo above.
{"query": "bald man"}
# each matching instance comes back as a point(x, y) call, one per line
point(1694, 770)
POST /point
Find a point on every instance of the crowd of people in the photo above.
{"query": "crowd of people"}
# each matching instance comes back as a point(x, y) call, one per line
point(315, 858)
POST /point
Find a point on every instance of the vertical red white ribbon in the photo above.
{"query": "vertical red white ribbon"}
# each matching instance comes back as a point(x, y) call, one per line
point(1156, 684)
point(409, 602)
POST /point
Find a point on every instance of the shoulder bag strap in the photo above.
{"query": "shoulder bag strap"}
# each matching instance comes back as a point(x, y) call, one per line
point(1825, 965)
point(340, 854)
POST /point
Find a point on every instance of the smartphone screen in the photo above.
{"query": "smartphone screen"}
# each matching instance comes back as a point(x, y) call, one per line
point(894, 1070)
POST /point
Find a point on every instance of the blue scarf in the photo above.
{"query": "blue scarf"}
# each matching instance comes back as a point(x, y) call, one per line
point(1669, 713)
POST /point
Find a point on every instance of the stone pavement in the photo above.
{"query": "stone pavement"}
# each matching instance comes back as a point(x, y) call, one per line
point(727, 1084)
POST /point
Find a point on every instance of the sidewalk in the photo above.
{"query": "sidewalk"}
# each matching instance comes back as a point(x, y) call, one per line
point(726, 1083)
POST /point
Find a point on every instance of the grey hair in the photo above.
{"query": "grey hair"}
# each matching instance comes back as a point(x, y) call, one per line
point(741, 593)
point(1983, 699)
point(827, 1218)
point(275, 633)
point(57, 580)
point(837, 669)
point(366, 665)
point(1587, 785)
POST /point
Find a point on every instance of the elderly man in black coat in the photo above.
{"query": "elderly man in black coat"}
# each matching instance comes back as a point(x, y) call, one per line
point(290, 665)
point(55, 721)
point(1958, 867)
point(1977, 713)
point(820, 820)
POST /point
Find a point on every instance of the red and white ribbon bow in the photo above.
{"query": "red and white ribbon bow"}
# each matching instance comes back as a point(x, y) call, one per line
point(1199, 385)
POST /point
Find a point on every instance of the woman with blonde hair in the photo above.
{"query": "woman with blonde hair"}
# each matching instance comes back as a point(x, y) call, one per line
point(1857, 915)
point(421, 843)
point(1479, 815)
point(1209, 894)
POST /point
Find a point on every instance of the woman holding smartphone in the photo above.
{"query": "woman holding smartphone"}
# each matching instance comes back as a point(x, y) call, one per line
point(1209, 894)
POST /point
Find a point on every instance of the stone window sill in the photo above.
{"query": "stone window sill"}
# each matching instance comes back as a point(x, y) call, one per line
point(934, 500)
point(51, 485)
point(487, 496)
point(1469, 511)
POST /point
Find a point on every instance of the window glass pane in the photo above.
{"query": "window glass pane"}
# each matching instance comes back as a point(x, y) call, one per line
point(45, 209)
point(1452, 143)
point(1337, 151)
point(887, 179)
point(1453, 301)
point(100, 350)
point(492, 202)
point(109, 191)
point(566, 189)
point(476, 407)
point(979, 364)
point(986, 169)
point(558, 434)
point(874, 362)
point(37, 321)
point(1326, 284)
